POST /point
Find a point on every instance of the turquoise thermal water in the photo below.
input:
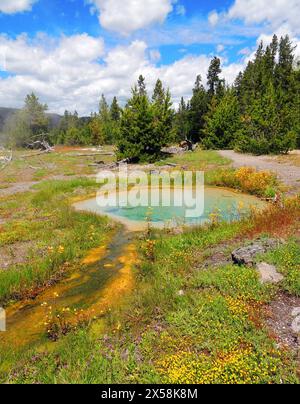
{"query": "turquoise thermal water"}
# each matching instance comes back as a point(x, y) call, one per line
point(229, 205)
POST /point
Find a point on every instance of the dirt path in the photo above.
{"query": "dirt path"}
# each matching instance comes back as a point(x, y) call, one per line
point(20, 187)
point(288, 173)
point(17, 188)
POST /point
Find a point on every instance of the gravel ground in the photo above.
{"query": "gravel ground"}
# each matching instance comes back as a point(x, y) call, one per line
point(280, 319)
point(289, 174)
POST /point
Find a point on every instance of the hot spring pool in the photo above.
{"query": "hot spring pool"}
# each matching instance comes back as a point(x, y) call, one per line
point(227, 204)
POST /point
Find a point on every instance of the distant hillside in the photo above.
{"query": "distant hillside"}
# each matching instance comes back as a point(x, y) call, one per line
point(5, 113)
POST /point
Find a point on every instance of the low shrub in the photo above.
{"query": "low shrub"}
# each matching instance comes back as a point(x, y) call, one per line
point(246, 179)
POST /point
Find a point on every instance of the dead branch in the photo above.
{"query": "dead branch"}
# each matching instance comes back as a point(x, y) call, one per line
point(41, 145)
point(6, 160)
point(35, 168)
point(109, 166)
point(26, 156)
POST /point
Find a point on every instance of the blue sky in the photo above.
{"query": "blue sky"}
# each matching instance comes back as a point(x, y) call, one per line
point(71, 51)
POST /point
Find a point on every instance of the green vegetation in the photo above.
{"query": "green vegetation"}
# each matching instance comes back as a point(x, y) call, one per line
point(65, 161)
point(192, 316)
point(191, 320)
point(28, 124)
point(268, 92)
point(59, 235)
point(245, 179)
point(99, 129)
point(198, 160)
point(217, 172)
point(259, 114)
point(145, 126)
point(287, 259)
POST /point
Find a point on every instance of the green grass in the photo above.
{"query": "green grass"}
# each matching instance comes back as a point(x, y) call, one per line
point(287, 260)
point(58, 163)
point(49, 221)
point(185, 323)
point(198, 160)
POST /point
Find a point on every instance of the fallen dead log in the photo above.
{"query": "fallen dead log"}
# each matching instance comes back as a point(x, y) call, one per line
point(109, 166)
point(26, 156)
point(41, 145)
point(35, 168)
point(95, 154)
point(96, 165)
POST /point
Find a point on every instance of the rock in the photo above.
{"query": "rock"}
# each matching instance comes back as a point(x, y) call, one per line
point(268, 273)
point(296, 312)
point(181, 293)
point(173, 150)
point(155, 172)
point(177, 231)
point(296, 325)
point(246, 255)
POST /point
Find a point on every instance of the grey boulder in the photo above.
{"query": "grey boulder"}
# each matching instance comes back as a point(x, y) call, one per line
point(268, 273)
point(246, 255)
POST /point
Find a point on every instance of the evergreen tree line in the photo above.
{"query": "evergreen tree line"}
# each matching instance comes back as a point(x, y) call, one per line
point(259, 113)
point(33, 123)
point(98, 129)
point(28, 124)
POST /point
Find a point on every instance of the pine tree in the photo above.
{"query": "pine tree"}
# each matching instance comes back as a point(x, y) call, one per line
point(104, 109)
point(106, 122)
point(142, 86)
point(296, 106)
point(222, 122)
point(198, 108)
point(115, 117)
point(115, 111)
point(158, 96)
point(263, 132)
point(35, 113)
point(136, 131)
point(214, 83)
point(30, 123)
point(182, 121)
point(163, 114)
point(98, 136)
point(284, 67)
point(267, 92)
point(145, 127)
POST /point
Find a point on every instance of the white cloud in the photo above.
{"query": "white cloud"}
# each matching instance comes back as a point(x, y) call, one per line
point(126, 16)
point(15, 6)
point(59, 72)
point(180, 10)
point(213, 18)
point(220, 48)
point(155, 55)
point(245, 51)
point(276, 13)
point(282, 31)
point(73, 72)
